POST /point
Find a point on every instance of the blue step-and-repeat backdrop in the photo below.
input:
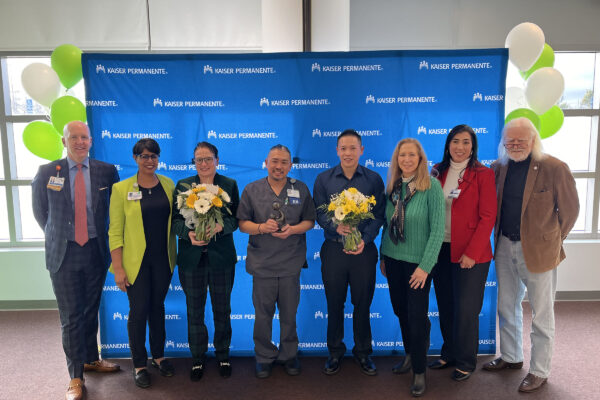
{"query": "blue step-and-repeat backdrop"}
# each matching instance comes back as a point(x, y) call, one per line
point(246, 103)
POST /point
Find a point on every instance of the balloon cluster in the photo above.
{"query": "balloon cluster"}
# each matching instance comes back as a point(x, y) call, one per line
point(44, 85)
point(544, 85)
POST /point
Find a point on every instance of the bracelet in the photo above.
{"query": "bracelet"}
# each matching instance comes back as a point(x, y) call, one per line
point(259, 232)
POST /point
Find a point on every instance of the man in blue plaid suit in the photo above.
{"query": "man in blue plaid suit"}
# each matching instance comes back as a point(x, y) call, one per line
point(77, 269)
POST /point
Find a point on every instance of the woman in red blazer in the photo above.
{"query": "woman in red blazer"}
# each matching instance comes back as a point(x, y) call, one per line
point(459, 276)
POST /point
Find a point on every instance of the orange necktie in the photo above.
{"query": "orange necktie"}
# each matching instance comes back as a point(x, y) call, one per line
point(81, 231)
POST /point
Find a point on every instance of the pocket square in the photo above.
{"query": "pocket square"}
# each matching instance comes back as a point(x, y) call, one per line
point(103, 188)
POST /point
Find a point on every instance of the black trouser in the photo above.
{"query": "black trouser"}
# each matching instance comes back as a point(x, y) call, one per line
point(340, 270)
point(459, 293)
point(147, 303)
point(411, 307)
point(195, 283)
point(78, 288)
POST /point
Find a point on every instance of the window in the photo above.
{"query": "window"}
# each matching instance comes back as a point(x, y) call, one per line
point(576, 143)
point(18, 165)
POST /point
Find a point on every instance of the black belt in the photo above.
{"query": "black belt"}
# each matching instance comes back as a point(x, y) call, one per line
point(338, 239)
point(513, 237)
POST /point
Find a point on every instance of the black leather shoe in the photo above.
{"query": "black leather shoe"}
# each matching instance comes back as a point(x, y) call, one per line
point(197, 371)
point(417, 388)
point(225, 368)
point(292, 366)
point(439, 364)
point(367, 366)
point(403, 367)
point(460, 376)
point(141, 378)
point(499, 364)
point(263, 370)
point(332, 366)
point(165, 367)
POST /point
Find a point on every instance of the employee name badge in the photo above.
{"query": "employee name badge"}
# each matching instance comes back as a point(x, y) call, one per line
point(56, 183)
point(454, 193)
point(294, 196)
point(134, 195)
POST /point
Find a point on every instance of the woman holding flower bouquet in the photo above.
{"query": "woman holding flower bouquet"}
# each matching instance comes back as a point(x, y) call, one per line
point(412, 235)
point(204, 219)
point(143, 253)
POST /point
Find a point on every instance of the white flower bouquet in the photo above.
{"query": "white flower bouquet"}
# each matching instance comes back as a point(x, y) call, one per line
point(202, 207)
point(349, 207)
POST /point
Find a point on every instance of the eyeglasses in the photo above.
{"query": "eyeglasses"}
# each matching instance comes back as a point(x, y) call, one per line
point(516, 144)
point(147, 157)
point(205, 160)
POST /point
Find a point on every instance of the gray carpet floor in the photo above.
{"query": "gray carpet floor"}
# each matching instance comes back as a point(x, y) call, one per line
point(32, 366)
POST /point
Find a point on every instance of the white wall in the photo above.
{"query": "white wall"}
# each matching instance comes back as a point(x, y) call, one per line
point(450, 24)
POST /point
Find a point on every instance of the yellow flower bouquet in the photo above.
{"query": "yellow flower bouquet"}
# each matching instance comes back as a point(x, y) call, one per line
point(202, 206)
point(349, 207)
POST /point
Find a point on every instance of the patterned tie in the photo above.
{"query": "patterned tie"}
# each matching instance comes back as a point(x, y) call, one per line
point(81, 231)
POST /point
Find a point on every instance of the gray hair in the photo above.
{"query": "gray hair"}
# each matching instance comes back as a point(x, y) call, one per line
point(537, 152)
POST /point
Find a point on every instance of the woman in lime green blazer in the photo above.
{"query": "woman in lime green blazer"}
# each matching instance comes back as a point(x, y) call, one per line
point(143, 251)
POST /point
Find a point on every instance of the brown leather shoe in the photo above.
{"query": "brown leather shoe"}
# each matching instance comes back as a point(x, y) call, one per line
point(531, 383)
point(499, 364)
point(76, 390)
point(101, 366)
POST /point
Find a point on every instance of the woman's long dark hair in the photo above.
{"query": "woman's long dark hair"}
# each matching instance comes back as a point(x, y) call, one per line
point(473, 162)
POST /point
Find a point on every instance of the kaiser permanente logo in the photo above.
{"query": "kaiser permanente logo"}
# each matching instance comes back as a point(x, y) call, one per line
point(480, 97)
point(100, 68)
point(293, 102)
point(346, 68)
point(241, 135)
point(158, 102)
point(422, 130)
point(163, 166)
point(402, 99)
point(305, 165)
point(424, 64)
point(318, 133)
point(370, 163)
point(209, 69)
point(106, 134)
point(101, 103)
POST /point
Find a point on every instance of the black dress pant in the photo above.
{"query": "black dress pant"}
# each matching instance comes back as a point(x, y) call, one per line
point(459, 293)
point(147, 303)
point(411, 307)
point(340, 270)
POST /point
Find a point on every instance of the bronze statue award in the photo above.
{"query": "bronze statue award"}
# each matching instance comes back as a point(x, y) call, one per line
point(278, 215)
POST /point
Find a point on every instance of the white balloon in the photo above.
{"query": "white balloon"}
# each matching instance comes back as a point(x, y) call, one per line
point(544, 88)
point(41, 82)
point(525, 43)
point(515, 98)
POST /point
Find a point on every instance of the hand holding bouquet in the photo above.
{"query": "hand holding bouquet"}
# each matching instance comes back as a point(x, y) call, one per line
point(202, 206)
point(349, 207)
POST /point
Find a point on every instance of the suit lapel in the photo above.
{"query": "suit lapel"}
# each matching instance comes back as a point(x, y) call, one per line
point(532, 173)
point(94, 186)
point(64, 166)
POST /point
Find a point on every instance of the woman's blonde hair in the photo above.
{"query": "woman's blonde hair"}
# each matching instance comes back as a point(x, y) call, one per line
point(422, 180)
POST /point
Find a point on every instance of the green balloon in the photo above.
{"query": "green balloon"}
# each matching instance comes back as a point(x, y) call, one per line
point(66, 109)
point(546, 59)
point(551, 121)
point(66, 61)
point(41, 139)
point(525, 113)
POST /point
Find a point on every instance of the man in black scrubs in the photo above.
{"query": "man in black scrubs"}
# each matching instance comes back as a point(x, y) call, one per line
point(276, 211)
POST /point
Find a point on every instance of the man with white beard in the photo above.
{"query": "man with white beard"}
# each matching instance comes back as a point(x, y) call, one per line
point(537, 207)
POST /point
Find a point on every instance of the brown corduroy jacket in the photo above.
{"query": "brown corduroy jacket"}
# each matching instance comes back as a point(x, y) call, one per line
point(550, 209)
